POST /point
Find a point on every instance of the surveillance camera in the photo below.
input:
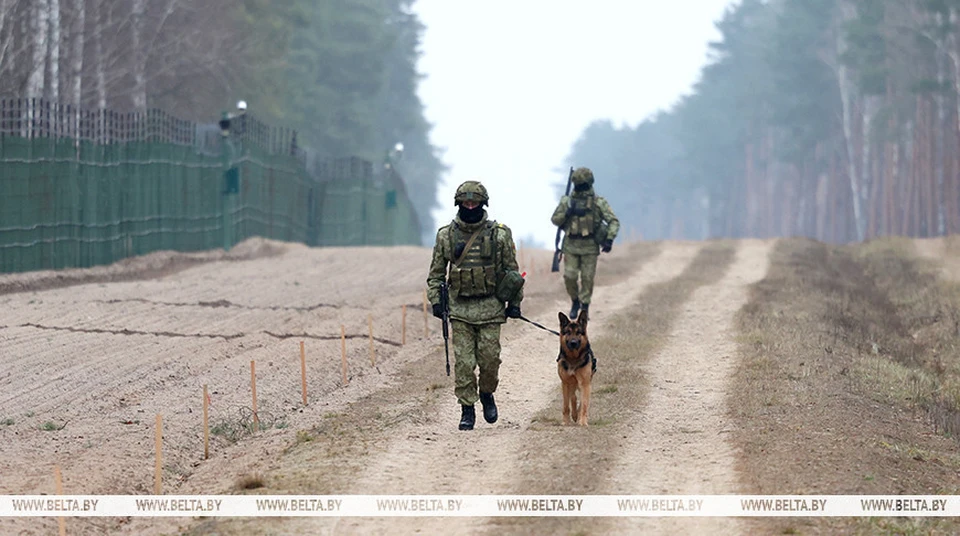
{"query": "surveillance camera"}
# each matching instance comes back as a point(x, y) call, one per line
point(242, 106)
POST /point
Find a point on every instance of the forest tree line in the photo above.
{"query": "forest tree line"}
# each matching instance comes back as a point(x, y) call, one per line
point(340, 72)
point(832, 119)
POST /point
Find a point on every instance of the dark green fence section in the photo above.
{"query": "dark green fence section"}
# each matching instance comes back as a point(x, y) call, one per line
point(360, 207)
point(81, 188)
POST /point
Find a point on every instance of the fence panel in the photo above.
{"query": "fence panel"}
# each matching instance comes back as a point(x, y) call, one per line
point(81, 188)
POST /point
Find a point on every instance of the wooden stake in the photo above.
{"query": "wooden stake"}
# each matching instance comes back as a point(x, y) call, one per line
point(58, 482)
point(426, 325)
point(343, 352)
point(206, 426)
point(303, 373)
point(253, 388)
point(158, 470)
point(373, 356)
point(403, 325)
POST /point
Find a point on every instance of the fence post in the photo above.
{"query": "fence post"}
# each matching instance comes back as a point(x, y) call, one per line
point(231, 182)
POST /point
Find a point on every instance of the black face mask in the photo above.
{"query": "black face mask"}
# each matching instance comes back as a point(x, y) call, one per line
point(582, 187)
point(471, 215)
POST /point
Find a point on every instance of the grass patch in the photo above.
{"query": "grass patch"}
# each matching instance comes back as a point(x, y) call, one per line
point(7, 422)
point(304, 436)
point(242, 424)
point(849, 379)
point(51, 426)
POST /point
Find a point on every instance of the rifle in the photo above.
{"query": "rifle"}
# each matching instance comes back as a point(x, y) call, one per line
point(558, 254)
point(445, 306)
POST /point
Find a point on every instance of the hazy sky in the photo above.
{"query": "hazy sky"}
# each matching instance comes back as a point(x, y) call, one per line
point(510, 85)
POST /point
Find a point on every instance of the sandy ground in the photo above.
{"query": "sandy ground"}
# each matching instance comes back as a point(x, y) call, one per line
point(679, 446)
point(97, 362)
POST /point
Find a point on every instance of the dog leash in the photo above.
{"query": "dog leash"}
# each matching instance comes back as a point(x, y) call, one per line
point(525, 319)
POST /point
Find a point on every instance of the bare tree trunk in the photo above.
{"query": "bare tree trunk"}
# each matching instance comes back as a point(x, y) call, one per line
point(939, 141)
point(910, 155)
point(38, 30)
point(950, 170)
point(100, 68)
point(932, 207)
point(139, 56)
point(832, 198)
point(51, 84)
point(870, 105)
point(920, 165)
point(800, 226)
point(76, 55)
point(847, 96)
point(749, 216)
point(6, 32)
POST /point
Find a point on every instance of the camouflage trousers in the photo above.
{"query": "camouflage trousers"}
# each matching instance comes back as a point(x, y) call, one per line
point(584, 266)
point(475, 345)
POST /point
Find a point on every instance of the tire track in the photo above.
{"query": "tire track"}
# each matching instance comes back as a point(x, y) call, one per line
point(679, 446)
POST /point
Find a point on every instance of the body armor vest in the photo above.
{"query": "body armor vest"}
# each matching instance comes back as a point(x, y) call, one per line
point(476, 275)
point(582, 226)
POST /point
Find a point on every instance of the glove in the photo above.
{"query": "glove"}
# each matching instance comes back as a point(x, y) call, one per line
point(513, 311)
point(437, 310)
point(606, 246)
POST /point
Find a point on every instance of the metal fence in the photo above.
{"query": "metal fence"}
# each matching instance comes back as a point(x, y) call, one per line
point(81, 188)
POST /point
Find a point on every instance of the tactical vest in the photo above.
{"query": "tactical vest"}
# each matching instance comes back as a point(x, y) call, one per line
point(583, 226)
point(476, 275)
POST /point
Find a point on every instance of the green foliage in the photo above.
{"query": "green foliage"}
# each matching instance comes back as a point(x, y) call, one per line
point(771, 94)
point(866, 52)
point(343, 74)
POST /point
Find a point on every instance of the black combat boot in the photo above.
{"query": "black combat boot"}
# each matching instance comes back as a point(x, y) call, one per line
point(468, 416)
point(584, 310)
point(575, 309)
point(489, 407)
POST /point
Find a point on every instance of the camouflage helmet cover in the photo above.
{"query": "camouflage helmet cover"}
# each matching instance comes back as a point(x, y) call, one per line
point(472, 190)
point(582, 175)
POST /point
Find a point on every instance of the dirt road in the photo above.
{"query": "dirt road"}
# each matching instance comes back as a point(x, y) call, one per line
point(678, 446)
point(99, 361)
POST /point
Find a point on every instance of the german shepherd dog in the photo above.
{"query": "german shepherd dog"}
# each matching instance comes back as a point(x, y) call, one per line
point(576, 366)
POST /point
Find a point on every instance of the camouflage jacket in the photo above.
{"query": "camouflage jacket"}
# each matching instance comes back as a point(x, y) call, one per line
point(475, 310)
point(605, 223)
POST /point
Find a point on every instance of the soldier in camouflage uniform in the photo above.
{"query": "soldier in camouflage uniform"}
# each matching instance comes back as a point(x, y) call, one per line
point(589, 226)
point(484, 288)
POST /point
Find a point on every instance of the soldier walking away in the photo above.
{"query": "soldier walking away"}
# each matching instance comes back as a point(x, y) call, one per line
point(589, 227)
point(478, 260)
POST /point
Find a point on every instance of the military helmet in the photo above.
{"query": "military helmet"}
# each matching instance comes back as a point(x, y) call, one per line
point(582, 175)
point(471, 190)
